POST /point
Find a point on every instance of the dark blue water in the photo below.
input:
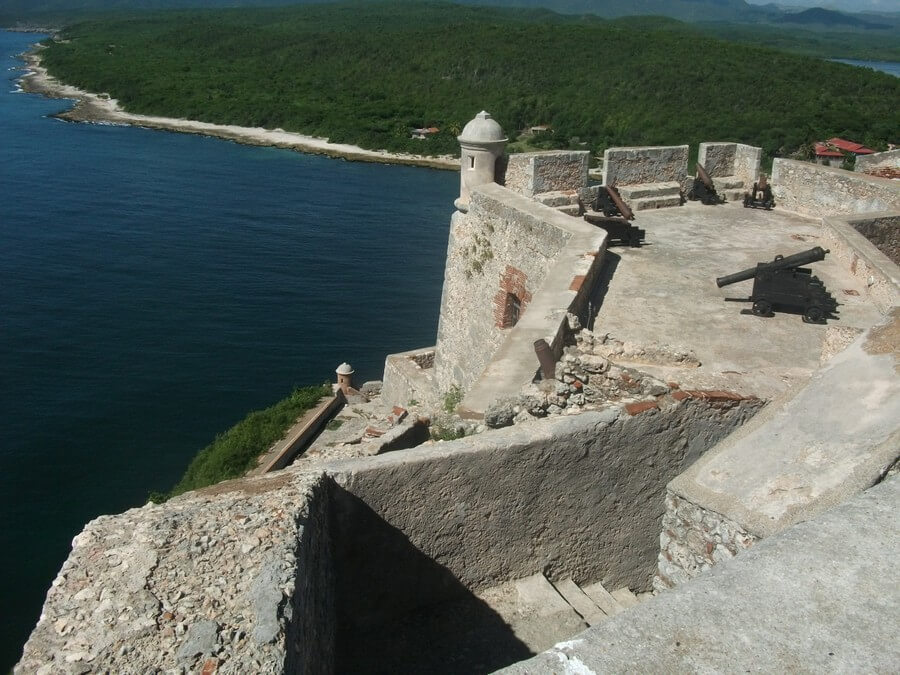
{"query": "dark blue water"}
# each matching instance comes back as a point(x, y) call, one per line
point(889, 67)
point(155, 287)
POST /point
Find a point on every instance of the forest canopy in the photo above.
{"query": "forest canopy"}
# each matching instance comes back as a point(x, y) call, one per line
point(368, 74)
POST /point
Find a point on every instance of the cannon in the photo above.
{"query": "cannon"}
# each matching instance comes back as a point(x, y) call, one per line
point(760, 197)
point(703, 189)
point(785, 283)
point(612, 214)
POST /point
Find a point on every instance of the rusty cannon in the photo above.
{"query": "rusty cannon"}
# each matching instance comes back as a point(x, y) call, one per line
point(703, 189)
point(612, 214)
point(785, 283)
point(760, 197)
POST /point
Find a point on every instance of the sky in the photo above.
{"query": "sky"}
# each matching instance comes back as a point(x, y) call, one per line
point(845, 5)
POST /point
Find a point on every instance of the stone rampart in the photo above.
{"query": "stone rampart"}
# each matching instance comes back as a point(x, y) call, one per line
point(409, 376)
point(535, 173)
point(501, 250)
point(814, 190)
point(878, 160)
point(723, 160)
point(648, 164)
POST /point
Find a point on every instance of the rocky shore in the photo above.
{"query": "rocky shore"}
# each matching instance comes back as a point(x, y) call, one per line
point(100, 108)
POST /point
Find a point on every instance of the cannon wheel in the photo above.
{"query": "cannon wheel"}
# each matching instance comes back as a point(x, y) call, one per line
point(634, 239)
point(813, 314)
point(762, 307)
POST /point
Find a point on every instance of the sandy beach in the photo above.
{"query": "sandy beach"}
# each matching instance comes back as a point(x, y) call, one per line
point(91, 107)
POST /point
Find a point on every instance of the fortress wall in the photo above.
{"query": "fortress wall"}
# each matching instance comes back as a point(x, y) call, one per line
point(878, 160)
point(502, 245)
point(538, 172)
point(236, 577)
point(578, 496)
point(862, 244)
point(731, 159)
point(648, 164)
point(813, 190)
point(405, 378)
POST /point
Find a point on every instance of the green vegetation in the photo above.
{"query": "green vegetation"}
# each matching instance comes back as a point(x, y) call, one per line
point(452, 399)
point(235, 452)
point(369, 73)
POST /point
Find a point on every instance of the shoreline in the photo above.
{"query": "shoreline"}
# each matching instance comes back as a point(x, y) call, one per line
point(100, 108)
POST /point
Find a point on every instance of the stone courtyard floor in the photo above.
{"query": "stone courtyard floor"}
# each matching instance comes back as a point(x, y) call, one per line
point(665, 293)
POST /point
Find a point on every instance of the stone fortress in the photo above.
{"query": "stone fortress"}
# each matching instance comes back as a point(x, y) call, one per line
point(694, 489)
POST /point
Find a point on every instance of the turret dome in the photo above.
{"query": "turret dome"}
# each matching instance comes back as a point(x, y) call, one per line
point(482, 129)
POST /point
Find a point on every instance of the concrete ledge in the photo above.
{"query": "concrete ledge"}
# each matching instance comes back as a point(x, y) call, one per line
point(794, 463)
point(301, 434)
point(815, 599)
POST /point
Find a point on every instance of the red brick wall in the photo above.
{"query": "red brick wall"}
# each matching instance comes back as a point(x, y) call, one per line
point(511, 281)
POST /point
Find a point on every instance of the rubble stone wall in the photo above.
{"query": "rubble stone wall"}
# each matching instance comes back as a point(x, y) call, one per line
point(747, 159)
point(648, 164)
point(236, 578)
point(495, 238)
point(693, 539)
point(537, 172)
point(812, 189)
point(884, 233)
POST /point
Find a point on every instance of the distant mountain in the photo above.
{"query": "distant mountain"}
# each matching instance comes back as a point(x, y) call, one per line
point(831, 19)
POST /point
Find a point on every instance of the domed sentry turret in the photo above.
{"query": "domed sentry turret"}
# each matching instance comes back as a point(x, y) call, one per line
point(482, 142)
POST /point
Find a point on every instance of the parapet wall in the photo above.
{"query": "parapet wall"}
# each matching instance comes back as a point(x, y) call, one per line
point(648, 164)
point(878, 160)
point(534, 173)
point(504, 246)
point(731, 159)
point(815, 190)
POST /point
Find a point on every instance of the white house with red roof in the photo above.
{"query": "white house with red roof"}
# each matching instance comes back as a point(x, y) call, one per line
point(833, 151)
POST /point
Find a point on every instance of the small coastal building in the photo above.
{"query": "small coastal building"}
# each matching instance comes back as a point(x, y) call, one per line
point(833, 151)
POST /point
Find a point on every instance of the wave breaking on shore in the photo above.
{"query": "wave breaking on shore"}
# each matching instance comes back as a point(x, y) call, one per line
point(101, 109)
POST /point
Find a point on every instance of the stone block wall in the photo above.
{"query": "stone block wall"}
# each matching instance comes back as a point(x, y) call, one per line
point(731, 159)
point(883, 232)
point(534, 173)
point(495, 248)
point(649, 164)
point(812, 189)
point(878, 160)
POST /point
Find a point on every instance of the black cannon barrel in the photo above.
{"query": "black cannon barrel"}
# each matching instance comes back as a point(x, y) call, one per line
point(803, 258)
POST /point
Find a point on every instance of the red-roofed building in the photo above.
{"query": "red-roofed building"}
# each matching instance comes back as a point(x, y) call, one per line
point(833, 151)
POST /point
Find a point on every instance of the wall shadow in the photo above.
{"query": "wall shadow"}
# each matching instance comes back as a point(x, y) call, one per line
point(611, 262)
point(400, 611)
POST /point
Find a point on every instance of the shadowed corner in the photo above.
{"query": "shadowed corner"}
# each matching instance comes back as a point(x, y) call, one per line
point(400, 611)
point(611, 261)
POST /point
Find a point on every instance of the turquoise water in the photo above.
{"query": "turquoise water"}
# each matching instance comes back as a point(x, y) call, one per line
point(889, 67)
point(154, 287)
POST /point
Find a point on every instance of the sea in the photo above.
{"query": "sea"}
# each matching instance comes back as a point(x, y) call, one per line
point(889, 67)
point(155, 287)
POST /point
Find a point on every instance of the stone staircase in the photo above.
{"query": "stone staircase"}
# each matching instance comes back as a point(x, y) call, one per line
point(645, 196)
point(566, 201)
point(731, 188)
point(542, 613)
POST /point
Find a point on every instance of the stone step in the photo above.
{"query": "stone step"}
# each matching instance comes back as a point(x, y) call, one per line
point(727, 183)
point(581, 602)
point(625, 597)
point(603, 599)
point(735, 195)
point(646, 203)
point(641, 190)
point(558, 198)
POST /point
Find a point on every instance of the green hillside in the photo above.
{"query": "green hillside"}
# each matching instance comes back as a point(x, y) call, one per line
point(368, 73)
